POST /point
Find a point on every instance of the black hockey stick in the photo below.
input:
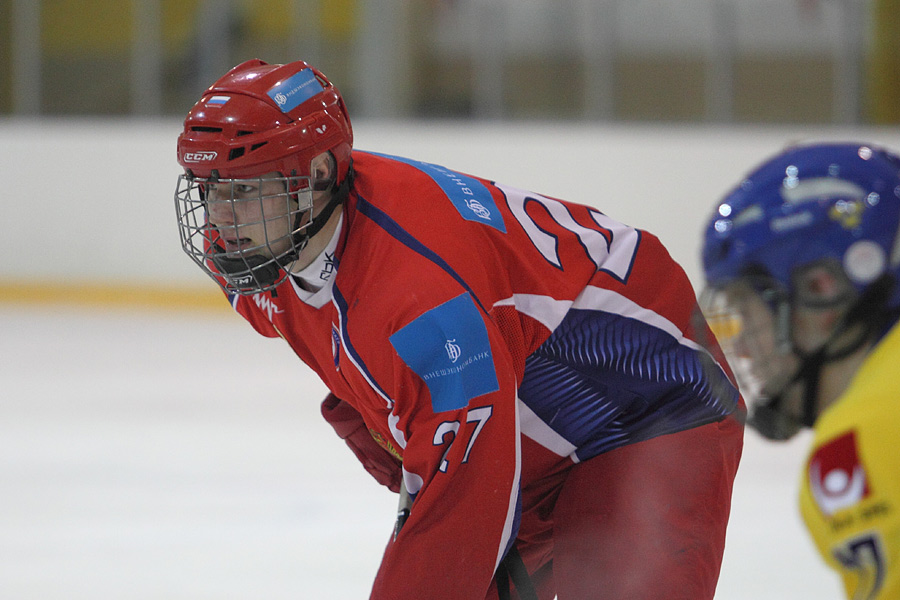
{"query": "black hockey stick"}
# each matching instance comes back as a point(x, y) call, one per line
point(512, 567)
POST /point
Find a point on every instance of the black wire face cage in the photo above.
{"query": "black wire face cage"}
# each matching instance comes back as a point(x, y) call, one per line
point(244, 233)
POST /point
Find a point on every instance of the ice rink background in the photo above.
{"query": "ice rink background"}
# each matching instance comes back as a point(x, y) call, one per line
point(151, 453)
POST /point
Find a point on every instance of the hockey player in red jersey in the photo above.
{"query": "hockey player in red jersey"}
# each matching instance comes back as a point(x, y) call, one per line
point(525, 365)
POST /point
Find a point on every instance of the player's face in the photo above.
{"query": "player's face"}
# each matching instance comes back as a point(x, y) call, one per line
point(822, 295)
point(767, 334)
point(252, 216)
point(746, 322)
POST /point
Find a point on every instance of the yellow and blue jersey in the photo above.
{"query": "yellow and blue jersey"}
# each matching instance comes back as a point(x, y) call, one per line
point(850, 489)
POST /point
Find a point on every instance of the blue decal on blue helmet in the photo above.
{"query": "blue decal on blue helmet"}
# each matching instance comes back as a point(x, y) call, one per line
point(809, 203)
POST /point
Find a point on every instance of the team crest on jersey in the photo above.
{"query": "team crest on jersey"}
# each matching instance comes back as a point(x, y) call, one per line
point(453, 350)
point(267, 305)
point(837, 477)
point(384, 443)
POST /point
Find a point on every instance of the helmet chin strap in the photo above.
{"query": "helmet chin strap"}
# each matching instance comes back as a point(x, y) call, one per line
point(242, 273)
point(339, 195)
point(770, 419)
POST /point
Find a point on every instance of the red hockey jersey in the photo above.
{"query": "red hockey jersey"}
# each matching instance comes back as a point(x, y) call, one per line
point(490, 336)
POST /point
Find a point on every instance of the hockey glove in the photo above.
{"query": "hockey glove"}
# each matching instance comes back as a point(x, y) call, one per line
point(350, 427)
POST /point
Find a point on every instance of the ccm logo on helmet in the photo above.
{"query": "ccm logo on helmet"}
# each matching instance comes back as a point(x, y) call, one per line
point(199, 156)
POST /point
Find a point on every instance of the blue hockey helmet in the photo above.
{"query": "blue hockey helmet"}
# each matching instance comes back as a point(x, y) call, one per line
point(809, 203)
point(801, 262)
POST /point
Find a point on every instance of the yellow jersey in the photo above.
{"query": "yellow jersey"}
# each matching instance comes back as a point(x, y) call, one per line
point(850, 489)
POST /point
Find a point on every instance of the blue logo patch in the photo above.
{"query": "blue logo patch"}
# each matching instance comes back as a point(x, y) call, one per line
point(448, 348)
point(473, 201)
point(295, 90)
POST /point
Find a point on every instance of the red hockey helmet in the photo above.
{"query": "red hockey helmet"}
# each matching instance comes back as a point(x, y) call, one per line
point(240, 223)
point(260, 118)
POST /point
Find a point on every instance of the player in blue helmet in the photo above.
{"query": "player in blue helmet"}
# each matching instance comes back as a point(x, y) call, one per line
point(801, 261)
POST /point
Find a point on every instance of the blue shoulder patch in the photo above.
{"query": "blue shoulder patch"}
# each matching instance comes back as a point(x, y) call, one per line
point(473, 201)
point(448, 348)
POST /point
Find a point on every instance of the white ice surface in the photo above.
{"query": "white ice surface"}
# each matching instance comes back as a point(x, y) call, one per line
point(151, 455)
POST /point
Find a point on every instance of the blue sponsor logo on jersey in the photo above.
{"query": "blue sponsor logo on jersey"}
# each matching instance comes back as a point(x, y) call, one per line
point(473, 201)
point(295, 90)
point(448, 348)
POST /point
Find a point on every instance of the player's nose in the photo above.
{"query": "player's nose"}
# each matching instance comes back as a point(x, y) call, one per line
point(220, 212)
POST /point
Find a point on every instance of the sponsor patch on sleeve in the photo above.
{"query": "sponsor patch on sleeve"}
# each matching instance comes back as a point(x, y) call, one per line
point(448, 348)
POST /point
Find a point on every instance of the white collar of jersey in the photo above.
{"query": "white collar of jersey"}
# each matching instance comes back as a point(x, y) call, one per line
point(321, 270)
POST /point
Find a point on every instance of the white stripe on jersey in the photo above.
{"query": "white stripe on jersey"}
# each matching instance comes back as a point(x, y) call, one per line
point(550, 312)
point(535, 428)
point(398, 435)
point(594, 298)
point(607, 300)
point(507, 535)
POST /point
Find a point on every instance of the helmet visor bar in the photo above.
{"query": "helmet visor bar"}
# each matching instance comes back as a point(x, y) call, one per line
point(244, 233)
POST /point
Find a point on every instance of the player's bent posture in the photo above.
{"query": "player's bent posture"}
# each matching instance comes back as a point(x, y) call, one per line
point(532, 362)
point(802, 259)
